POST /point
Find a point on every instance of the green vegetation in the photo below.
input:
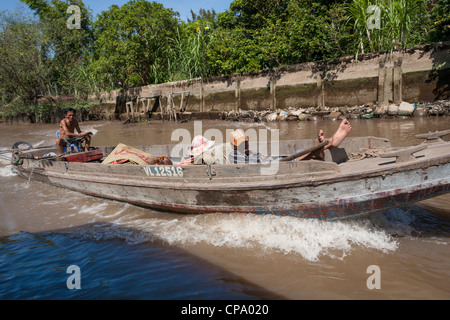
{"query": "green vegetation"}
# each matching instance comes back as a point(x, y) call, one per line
point(143, 43)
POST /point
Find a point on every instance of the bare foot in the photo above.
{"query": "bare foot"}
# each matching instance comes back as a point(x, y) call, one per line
point(340, 134)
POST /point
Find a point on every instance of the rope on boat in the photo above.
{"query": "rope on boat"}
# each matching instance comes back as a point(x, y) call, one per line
point(366, 153)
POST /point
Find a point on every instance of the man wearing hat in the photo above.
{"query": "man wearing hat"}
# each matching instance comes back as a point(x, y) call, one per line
point(241, 152)
point(204, 151)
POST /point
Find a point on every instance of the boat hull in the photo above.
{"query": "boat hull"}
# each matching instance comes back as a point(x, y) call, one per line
point(319, 201)
point(306, 189)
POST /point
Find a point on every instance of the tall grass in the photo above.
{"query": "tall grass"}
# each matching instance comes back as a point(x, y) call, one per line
point(396, 20)
point(187, 55)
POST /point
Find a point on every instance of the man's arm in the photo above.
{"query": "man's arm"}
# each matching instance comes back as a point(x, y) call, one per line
point(77, 127)
point(81, 133)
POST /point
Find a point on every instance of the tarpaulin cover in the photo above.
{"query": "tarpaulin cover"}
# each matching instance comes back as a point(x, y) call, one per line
point(133, 155)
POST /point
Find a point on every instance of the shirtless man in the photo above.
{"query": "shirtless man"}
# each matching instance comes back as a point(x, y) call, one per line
point(334, 141)
point(67, 127)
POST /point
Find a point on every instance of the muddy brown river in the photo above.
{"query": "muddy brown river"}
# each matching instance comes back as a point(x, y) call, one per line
point(127, 252)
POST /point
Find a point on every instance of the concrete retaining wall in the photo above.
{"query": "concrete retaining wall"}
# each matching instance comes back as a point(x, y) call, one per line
point(419, 74)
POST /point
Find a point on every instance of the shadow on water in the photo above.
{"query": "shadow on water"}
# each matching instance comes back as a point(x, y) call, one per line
point(115, 262)
point(417, 220)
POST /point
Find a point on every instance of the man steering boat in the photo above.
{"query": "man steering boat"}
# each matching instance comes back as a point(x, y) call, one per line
point(67, 134)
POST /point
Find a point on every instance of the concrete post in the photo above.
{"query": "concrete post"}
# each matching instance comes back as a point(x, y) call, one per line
point(321, 92)
point(202, 102)
point(273, 89)
point(381, 83)
point(397, 79)
point(130, 110)
point(389, 85)
point(238, 93)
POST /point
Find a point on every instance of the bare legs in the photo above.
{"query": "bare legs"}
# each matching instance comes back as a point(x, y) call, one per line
point(334, 141)
point(60, 143)
point(87, 142)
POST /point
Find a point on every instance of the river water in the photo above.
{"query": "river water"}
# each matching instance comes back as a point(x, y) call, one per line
point(127, 252)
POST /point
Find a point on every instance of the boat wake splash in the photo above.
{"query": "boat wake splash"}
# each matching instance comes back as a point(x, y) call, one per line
point(266, 234)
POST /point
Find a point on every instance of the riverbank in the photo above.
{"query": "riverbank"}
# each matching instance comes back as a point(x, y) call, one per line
point(418, 75)
point(404, 83)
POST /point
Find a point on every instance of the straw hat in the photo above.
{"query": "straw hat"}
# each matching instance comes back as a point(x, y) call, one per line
point(237, 137)
point(199, 145)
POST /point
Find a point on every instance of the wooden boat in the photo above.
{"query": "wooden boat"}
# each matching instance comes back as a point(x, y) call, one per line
point(336, 188)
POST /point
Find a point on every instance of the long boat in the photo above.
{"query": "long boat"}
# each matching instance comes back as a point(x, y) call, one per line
point(362, 175)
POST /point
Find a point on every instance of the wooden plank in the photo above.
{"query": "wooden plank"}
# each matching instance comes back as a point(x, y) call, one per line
point(304, 152)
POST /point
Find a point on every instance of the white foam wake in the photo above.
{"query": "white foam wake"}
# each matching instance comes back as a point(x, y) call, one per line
point(309, 238)
point(7, 171)
point(312, 239)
